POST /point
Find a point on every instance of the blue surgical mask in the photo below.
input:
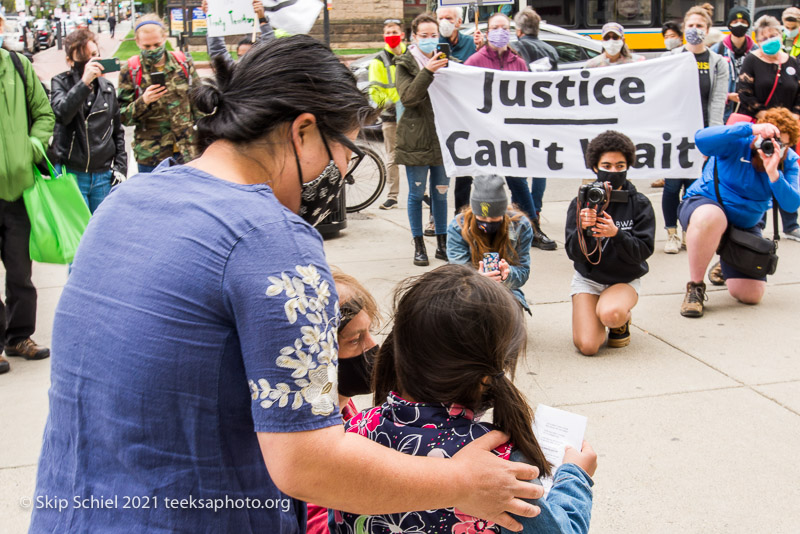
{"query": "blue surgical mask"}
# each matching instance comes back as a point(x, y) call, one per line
point(427, 45)
point(771, 46)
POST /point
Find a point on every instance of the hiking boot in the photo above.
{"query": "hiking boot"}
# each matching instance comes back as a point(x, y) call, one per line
point(620, 337)
point(673, 245)
point(441, 247)
point(794, 235)
point(693, 301)
point(4, 365)
point(657, 183)
point(28, 350)
point(420, 253)
point(540, 240)
point(389, 204)
point(430, 230)
point(715, 275)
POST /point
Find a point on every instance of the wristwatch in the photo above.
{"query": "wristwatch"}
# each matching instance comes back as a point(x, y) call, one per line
point(263, 20)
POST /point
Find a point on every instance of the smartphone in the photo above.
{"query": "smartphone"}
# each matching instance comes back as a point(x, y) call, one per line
point(158, 78)
point(491, 261)
point(109, 65)
point(443, 48)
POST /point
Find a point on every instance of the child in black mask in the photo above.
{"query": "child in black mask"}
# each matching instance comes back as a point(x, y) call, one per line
point(609, 247)
point(489, 224)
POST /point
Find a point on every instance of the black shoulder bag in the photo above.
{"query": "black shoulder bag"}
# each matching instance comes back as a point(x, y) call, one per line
point(748, 253)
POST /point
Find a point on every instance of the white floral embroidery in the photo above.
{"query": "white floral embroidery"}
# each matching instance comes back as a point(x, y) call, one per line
point(312, 355)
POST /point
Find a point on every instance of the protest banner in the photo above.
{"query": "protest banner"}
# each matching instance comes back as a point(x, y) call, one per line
point(230, 17)
point(292, 16)
point(539, 124)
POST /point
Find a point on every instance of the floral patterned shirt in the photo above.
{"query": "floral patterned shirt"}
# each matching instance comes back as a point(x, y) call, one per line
point(419, 429)
point(198, 313)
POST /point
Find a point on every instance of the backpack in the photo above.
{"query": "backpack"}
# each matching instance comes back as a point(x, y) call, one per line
point(135, 69)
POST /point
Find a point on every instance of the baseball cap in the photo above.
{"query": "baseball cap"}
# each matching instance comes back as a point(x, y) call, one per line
point(613, 27)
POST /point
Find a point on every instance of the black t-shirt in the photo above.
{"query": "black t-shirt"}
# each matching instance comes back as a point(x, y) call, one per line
point(704, 70)
point(757, 79)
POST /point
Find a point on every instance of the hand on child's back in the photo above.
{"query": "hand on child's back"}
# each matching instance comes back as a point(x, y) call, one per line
point(586, 459)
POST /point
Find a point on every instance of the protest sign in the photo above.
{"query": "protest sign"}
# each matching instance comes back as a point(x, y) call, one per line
point(292, 16)
point(539, 124)
point(230, 17)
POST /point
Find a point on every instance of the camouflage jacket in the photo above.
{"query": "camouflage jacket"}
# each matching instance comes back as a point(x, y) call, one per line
point(162, 124)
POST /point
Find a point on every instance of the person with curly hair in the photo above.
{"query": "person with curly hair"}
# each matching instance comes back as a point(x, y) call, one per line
point(748, 180)
point(609, 246)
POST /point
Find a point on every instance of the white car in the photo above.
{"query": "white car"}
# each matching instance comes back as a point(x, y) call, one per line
point(15, 39)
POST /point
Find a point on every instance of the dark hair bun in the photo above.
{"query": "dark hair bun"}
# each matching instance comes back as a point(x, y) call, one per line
point(206, 96)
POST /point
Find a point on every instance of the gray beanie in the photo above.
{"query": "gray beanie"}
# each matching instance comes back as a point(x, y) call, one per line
point(488, 197)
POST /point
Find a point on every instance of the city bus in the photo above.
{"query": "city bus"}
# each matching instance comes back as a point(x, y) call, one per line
point(642, 19)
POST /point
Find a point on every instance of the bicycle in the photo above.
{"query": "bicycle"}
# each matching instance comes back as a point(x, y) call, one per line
point(367, 182)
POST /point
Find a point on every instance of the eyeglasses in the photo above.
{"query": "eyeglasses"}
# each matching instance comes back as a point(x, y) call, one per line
point(392, 21)
point(356, 158)
point(611, 36)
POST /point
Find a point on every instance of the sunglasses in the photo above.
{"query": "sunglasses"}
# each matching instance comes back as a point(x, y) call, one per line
point(611, 36)
point(790, 19)
point(355, 159)
point(392, 21)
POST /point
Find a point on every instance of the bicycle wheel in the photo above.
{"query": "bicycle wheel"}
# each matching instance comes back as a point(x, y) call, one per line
point(366, 184)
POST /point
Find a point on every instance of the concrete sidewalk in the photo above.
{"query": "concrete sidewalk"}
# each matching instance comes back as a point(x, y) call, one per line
point(696, 422)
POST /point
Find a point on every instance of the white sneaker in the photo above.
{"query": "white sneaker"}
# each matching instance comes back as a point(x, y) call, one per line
point(794, 235)
point(673, 245)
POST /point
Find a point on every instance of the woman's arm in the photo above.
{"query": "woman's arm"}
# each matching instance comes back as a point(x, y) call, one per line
point(67, 102)
point(786, 189)
point(636, 246)
point(722, 140)
point(572, 242)
point(518, 274)
point(413, 90)
point(716, 104)
point(457, 248)
point(121, 156)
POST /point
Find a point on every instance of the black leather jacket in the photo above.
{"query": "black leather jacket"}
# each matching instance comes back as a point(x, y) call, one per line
point(92, 141)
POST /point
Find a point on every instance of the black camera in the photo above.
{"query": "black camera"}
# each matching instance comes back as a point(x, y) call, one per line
point(593, 195)
point(767, 146)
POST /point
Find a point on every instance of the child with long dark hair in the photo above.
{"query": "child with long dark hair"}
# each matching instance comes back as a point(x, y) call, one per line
point(456, 337)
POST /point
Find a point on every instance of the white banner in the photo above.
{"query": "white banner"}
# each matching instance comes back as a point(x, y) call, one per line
point(293, 16)
point(539, 124)
point(230, 17)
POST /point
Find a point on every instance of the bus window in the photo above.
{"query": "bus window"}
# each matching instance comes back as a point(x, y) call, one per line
point(558, 12)
point(676, 9)
point(626, 12)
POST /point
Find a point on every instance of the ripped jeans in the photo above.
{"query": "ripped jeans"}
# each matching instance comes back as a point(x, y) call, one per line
point(439, 182)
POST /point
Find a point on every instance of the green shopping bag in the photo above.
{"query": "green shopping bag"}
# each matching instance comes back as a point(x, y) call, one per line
point(58, 214)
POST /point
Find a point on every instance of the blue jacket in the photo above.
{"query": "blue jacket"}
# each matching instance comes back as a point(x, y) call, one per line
point(746, 192)
point(521, 236)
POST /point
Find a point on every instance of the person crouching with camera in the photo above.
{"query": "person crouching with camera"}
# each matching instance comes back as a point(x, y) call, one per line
point(610, 233)
point(748, 165)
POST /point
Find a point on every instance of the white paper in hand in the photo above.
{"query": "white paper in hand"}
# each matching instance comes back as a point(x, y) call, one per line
point(230, 17)
point(292, 16)
point(554, 430)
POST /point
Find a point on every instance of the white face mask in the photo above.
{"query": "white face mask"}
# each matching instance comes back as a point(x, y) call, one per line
point(672, 43)
point(612, 47)
point(446, 28)
point(791, 34)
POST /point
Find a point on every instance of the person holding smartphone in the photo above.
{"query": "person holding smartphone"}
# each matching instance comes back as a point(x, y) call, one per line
point(88, 140)
point(488, 225)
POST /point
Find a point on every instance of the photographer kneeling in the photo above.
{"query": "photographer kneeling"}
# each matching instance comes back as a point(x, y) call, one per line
point(750, 172)
point(609, 241)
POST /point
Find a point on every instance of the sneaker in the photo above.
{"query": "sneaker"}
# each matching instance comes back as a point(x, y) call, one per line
point(715, 275)
point(693, 301)
point(673, 245)
point(430, 230)
point(28, 350)
point(620, 337)
point(657, 183)
point(389, 204)
point(4, 365)
point(794, 235)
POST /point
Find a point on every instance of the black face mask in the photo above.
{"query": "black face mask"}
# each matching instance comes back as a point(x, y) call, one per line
point(739, 31)
point(355, 374)
point(617, 179)
point(79, 67)
point(490, 228)
point(319, 196)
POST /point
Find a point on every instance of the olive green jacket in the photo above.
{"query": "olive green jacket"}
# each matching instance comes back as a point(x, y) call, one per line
point(17, 153)
point(417, 142)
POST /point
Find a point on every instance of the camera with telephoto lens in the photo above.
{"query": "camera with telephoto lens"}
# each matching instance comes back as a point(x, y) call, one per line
point(767, 146)
point(593, 195)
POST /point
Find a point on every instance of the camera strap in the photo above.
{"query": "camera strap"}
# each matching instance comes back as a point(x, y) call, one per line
point(775, 235)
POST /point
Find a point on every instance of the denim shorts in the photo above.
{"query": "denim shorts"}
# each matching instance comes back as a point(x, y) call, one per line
point(581, 284)
point(685, 211)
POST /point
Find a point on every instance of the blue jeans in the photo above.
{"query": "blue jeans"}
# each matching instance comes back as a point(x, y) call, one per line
point(521, 196)
point(417, 178)
point(94, 186)
point(538, 185)
point(145, 168)
point(671, 199)
point(788, 218)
